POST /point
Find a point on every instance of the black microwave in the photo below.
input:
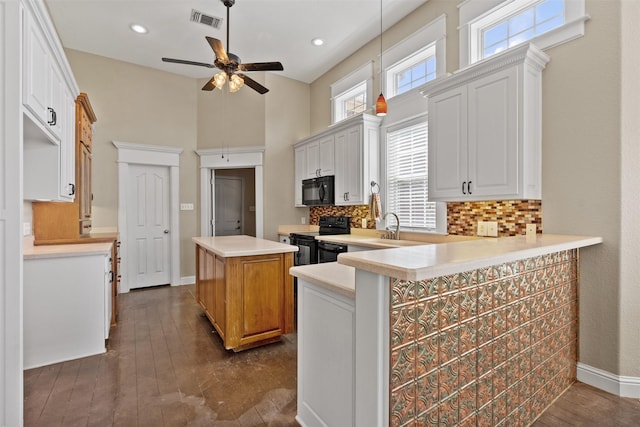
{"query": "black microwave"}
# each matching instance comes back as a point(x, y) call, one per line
point(318, 191)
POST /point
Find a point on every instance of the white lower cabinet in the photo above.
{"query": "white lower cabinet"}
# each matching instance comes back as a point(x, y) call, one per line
point(326, 357)
point(67, 307)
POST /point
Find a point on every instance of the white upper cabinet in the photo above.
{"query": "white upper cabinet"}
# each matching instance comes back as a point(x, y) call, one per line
point(485, 129)
point(349, 151)
point(49, 93)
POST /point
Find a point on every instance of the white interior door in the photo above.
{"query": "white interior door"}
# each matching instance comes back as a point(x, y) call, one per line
point(148, 219)
point(228, 206)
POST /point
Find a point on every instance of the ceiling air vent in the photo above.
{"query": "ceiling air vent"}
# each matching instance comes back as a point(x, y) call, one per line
point(202, 18)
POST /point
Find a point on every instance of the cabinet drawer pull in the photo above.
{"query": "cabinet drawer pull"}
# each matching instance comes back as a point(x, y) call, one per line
point(53, 120)
point(469, 187)
point(463, 186)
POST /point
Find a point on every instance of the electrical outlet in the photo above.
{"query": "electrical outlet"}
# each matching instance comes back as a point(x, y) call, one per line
point(492, 229)
point(26, 229)
point(303, 220)
point(531, 230)
point(363, 222)
point(482, 228)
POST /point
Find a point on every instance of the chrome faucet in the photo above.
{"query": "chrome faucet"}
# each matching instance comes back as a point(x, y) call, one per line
point(394, 234)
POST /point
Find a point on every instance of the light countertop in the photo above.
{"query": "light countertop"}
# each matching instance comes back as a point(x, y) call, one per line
point(30, 251)
point(330, 275)
point(235, 246)
point(427, 261)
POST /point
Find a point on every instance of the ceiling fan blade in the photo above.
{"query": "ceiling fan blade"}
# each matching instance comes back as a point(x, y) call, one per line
point(253, 84)
point(261, 66)
point(218, 49)
point(182, 61)
point(210, 85)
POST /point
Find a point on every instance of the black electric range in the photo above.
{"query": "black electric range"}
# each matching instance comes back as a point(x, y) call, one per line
point(309, 248)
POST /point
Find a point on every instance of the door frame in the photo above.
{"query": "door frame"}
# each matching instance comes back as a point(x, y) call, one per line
point(152, 155)
point(234, 158)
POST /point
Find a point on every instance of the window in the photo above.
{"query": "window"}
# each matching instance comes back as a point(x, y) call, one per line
point(416, 59)
point(407, 177)
point(411, 72)
point(350, 95)
point(488, 27)
point(351, 102)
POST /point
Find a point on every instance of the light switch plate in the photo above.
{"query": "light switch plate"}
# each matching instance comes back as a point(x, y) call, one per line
point(492, 229)
point(482, 228)
point(26, 229)
point(186, 206)
point(531, 230)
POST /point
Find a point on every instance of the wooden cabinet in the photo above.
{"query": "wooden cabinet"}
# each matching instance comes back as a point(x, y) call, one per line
point(349, 151)
point(485, 130)
point(248, 299)
point(85, 117)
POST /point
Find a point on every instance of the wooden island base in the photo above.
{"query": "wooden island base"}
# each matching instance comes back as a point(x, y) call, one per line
point(247, 294)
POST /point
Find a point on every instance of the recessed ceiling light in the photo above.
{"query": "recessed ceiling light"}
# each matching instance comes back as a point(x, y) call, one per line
point(317, 42)
point(137, 28)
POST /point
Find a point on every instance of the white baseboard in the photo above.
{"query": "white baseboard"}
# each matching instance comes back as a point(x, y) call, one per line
point(187, 280)
point(615, 384)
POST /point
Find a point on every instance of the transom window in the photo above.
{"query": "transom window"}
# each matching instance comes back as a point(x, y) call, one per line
point(350, 94)
point(407, 177)
point(412, 71)
point(351, 102)
point(522, 26)
point(488, 27)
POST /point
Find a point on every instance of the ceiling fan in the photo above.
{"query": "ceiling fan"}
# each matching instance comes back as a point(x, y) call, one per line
point(230, 65)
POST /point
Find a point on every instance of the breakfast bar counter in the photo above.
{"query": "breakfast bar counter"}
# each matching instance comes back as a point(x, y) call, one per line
point(243, 285)
point(482, 332)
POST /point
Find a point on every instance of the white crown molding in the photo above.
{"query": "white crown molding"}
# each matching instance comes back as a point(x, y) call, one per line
point(235, 150)
point(525, 54)
point(622, 386)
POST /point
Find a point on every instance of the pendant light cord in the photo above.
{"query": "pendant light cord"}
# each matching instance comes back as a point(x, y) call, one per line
point(380, 46)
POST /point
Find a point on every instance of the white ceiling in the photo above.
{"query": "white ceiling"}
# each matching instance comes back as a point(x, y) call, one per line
point(260, 31)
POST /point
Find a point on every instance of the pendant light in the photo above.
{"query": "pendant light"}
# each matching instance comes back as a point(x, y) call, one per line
point(381, 103)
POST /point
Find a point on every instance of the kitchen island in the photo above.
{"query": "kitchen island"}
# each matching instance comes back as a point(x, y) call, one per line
point(243, 285)
point(482, 332)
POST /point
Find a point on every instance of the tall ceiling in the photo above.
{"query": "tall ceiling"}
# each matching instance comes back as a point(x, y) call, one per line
point(260, 31)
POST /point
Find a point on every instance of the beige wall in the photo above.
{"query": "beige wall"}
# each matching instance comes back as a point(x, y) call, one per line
point(141, 105)
point(590, 135)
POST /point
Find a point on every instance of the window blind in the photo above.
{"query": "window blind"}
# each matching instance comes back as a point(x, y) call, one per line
point(407, 177)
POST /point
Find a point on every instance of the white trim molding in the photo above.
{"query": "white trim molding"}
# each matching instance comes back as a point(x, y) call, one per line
point(188, 280)
point(156, 155)
point(230, 158)
point(615, 384)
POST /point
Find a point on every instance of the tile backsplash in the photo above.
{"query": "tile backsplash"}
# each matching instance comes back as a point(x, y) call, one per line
point(512, 216)
point(462, 217)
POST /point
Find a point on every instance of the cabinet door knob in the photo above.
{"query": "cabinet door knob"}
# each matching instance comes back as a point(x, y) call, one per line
point(166, 231)
point(463, 186)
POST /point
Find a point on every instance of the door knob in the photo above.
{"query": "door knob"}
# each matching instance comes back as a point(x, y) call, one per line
point(166, 231)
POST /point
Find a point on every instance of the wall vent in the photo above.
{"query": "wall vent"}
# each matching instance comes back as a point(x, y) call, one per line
point(203, 18)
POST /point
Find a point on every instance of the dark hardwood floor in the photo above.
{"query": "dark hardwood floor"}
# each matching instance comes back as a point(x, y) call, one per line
point(165, 367)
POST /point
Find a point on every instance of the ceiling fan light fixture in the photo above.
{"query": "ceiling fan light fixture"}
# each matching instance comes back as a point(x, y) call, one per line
point(220, 79)
point(235, 83)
